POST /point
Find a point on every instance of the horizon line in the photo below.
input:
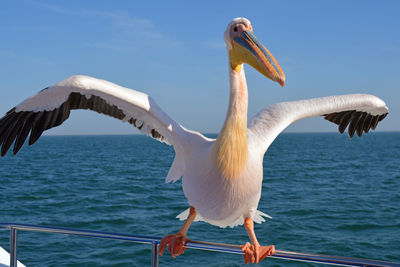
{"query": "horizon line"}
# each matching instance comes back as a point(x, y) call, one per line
point(139, 134)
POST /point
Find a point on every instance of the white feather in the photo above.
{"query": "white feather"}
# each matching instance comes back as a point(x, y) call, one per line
point(272, 120)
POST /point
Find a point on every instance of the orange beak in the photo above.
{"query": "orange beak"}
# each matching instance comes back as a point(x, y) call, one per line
point(247, 49)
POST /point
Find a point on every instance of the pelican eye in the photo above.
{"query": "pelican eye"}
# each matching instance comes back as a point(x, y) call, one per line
point(235, 29)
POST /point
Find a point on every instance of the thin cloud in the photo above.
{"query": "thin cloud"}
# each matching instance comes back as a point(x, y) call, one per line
point(130, 31)
point(53, 8)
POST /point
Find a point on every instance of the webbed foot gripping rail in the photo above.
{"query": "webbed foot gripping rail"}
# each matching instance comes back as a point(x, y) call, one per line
point(155, 241)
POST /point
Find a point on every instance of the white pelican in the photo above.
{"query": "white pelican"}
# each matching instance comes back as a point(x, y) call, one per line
point(222, 177)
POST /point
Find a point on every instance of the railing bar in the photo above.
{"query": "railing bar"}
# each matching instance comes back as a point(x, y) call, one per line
point(59, 230)
point(52, 229)
point(210, 246)
point(236, 247)
point(13, 247)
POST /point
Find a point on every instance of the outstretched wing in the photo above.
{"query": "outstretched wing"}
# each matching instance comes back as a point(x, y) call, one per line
point(358, 112)
point(51, 107)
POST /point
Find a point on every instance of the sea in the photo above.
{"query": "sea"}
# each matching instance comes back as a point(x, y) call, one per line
point(326, 193)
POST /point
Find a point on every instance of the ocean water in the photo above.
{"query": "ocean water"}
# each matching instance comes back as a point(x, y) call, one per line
point(326, 193)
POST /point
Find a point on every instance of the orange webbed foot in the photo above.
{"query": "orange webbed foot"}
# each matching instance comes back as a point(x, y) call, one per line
point(254, 253)
point(176, 244)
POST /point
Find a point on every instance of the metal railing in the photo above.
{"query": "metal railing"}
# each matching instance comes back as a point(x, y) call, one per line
point(155, 241)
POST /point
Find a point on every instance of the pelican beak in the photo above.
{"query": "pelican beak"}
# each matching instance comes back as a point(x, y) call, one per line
point(247, 49)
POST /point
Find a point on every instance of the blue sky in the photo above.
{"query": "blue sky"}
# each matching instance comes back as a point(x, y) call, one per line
point(174, 51)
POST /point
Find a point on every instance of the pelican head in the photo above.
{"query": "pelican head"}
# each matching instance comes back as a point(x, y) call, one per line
point(243, 47)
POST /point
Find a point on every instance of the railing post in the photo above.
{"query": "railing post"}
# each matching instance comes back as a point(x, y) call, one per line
point(13, 247)
point(154, 254)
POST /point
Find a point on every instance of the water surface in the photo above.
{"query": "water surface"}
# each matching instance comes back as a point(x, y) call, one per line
point(326, 193)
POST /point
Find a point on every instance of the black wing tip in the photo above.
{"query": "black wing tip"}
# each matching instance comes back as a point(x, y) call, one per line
point(356, 122)
point(15, 130)
point(381, 117)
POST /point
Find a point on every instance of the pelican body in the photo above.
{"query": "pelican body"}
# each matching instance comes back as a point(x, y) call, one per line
point(241, 194)
point(222, 177)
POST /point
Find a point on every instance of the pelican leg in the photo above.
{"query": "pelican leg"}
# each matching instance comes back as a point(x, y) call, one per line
point(253, 252)
point(176, 243)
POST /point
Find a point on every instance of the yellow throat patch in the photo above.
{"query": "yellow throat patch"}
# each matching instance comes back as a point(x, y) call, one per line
point(230, 149)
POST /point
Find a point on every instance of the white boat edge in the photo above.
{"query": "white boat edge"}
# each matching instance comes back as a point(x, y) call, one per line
point(5, 259)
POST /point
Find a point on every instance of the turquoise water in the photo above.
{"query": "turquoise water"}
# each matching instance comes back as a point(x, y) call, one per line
point(326, 193)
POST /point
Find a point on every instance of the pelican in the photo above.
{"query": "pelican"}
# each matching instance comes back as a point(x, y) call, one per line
point(222, 177)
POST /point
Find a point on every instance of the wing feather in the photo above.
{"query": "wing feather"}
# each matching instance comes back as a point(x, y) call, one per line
point(358, 113)
point(24, 131)
point(345, 120)
point(52, 106)
point(11, 133)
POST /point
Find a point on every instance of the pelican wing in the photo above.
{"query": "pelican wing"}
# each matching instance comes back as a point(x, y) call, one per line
point(358, 112)
point(51, 107)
